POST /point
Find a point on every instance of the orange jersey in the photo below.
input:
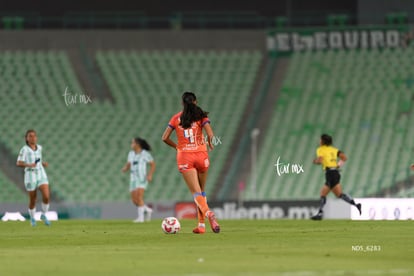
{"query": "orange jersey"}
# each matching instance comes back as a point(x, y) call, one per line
point(190, 139)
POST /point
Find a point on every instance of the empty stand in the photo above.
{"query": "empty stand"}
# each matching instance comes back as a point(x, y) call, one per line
point(363, 98)
point(87, 144)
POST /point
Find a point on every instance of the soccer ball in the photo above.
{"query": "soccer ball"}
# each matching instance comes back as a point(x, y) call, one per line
point(170, 225)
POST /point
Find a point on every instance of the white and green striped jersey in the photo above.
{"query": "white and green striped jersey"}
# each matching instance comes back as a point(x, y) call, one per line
point(30, 156)
point(33, 177)
point(139, 163)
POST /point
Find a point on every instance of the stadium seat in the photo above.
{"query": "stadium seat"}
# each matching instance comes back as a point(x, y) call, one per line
point(10, 192)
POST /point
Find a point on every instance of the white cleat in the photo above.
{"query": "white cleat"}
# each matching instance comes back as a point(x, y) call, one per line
point(138, 220)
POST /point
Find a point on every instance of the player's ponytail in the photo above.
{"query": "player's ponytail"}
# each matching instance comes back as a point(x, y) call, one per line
point(191, 112)
point(142, 143)
point(27, 133)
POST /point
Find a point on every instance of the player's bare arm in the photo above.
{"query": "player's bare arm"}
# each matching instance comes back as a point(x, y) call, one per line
point(342, 158)
point(126, 167)
point(151, 171)
point(166, 138)
point(318, 160)
point(210, 135)
point(24, 165)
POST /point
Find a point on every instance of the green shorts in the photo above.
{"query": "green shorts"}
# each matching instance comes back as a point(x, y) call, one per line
point(135, 184)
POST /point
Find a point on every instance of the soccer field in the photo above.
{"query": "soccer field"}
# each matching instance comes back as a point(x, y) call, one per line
point(261, 247)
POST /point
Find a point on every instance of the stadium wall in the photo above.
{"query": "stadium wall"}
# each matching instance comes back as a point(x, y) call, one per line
point(297, 209)
point(117, 210)
point(138, 40)
point(373, 209)
point(166, 8)
point(375, 11)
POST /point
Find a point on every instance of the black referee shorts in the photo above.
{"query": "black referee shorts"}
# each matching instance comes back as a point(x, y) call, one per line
point(332, 178)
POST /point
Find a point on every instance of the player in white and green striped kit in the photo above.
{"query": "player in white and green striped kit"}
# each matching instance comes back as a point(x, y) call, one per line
point(30, 158)
point(138, 159)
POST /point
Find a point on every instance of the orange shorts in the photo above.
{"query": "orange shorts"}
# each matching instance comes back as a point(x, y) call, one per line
point(193, 160)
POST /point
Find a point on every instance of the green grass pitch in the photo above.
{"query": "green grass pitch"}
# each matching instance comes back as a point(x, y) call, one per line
point(244, 247)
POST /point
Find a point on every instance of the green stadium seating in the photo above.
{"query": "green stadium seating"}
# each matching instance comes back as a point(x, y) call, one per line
point(152, 83)
point(87, 144)
point(10, 192)
point(363, 99)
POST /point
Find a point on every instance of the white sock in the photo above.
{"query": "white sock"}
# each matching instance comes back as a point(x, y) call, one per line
point(141, 212)
point(32, 212)
point(45, 208)
point(203, 225)
point(147, 209)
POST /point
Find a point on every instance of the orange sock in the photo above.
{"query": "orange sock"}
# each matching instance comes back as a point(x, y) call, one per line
point(201, 203)
point(201, 218)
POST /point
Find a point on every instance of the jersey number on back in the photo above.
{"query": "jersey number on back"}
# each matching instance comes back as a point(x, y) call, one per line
point(189, 134)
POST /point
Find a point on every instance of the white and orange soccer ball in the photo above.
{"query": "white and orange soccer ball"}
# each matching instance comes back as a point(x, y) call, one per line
point(170, 225)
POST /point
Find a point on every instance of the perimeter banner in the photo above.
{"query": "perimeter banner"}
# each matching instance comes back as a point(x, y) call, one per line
point(331, 39)
point(384, 209)
point(297, 209)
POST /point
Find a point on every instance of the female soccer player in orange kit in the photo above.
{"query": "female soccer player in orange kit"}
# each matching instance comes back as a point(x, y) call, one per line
point(192, 155)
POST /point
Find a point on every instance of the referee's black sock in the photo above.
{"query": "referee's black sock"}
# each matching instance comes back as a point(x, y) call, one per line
point(347, 198)
point(322, 203)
